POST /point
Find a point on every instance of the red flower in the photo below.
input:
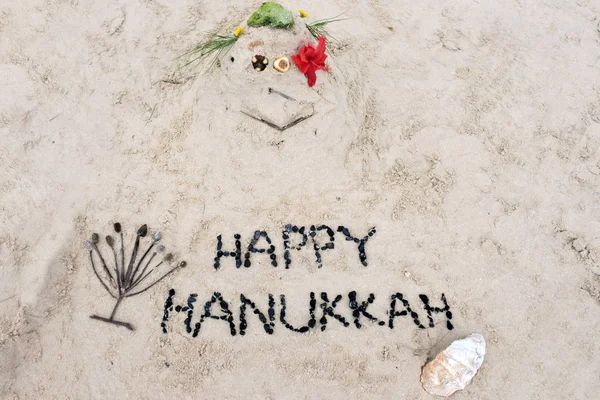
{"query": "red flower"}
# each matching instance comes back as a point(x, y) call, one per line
point(310, 60)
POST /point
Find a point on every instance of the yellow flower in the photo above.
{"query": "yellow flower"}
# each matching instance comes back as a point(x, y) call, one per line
point(302, 13)
point(238, 31)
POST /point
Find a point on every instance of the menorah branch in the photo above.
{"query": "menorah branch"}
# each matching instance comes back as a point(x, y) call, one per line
point(128, 276)
point(98, 276)
point(113, 321)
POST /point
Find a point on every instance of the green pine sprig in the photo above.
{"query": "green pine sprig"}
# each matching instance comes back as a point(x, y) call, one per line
point(319, 28)
point(213, 48)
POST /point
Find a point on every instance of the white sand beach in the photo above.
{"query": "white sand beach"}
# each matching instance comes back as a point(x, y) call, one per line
point(466, 132)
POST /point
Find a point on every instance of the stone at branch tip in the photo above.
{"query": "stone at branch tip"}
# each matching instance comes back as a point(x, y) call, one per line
point(95, 238)
point(117, 227)
point(143, 230)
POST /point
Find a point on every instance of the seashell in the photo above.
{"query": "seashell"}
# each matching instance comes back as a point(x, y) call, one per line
point(281, 64)
point(453, 368)
point(259, 62)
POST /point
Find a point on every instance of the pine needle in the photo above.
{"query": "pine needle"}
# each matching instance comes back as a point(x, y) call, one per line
point(319, 28)
point(213, 48)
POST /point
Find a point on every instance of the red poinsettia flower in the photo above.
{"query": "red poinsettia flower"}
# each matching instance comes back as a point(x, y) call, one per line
point(310, 60)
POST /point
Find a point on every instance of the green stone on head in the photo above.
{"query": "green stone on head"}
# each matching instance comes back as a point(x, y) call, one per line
point(272, 15)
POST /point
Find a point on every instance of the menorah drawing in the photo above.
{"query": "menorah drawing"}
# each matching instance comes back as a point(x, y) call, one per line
point(123, 281)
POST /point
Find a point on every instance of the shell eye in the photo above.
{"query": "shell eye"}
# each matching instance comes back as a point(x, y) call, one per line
point(281, 64)
point(260, 62)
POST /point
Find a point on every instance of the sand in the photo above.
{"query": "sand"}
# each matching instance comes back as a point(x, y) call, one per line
point(466, 132)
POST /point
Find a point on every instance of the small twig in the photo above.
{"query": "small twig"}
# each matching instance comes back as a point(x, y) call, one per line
point(56, 116)
point(112, 321)
point(296, 122)
point(285, 96)
point(95, 239)
point(117, 227)
point(140, 280)
point(111, 243)
point(181, 265)
point(114, 311)
point(140, 233)
point(171, 81)
point(145, 268)
point(271, 124)
point(98, 276)
point(133, 277)
point(132, 260)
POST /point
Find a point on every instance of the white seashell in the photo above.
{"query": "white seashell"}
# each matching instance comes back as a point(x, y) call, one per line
point(453, 368)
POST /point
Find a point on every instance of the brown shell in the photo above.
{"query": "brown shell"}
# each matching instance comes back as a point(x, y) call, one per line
point(259, 62)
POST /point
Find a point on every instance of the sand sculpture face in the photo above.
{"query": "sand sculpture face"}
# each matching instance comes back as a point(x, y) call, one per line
point(280, 99)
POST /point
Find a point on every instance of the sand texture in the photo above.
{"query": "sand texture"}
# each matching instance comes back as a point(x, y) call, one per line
point(467, 132)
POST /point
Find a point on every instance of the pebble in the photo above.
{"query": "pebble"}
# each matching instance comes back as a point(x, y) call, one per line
point(359, 309)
